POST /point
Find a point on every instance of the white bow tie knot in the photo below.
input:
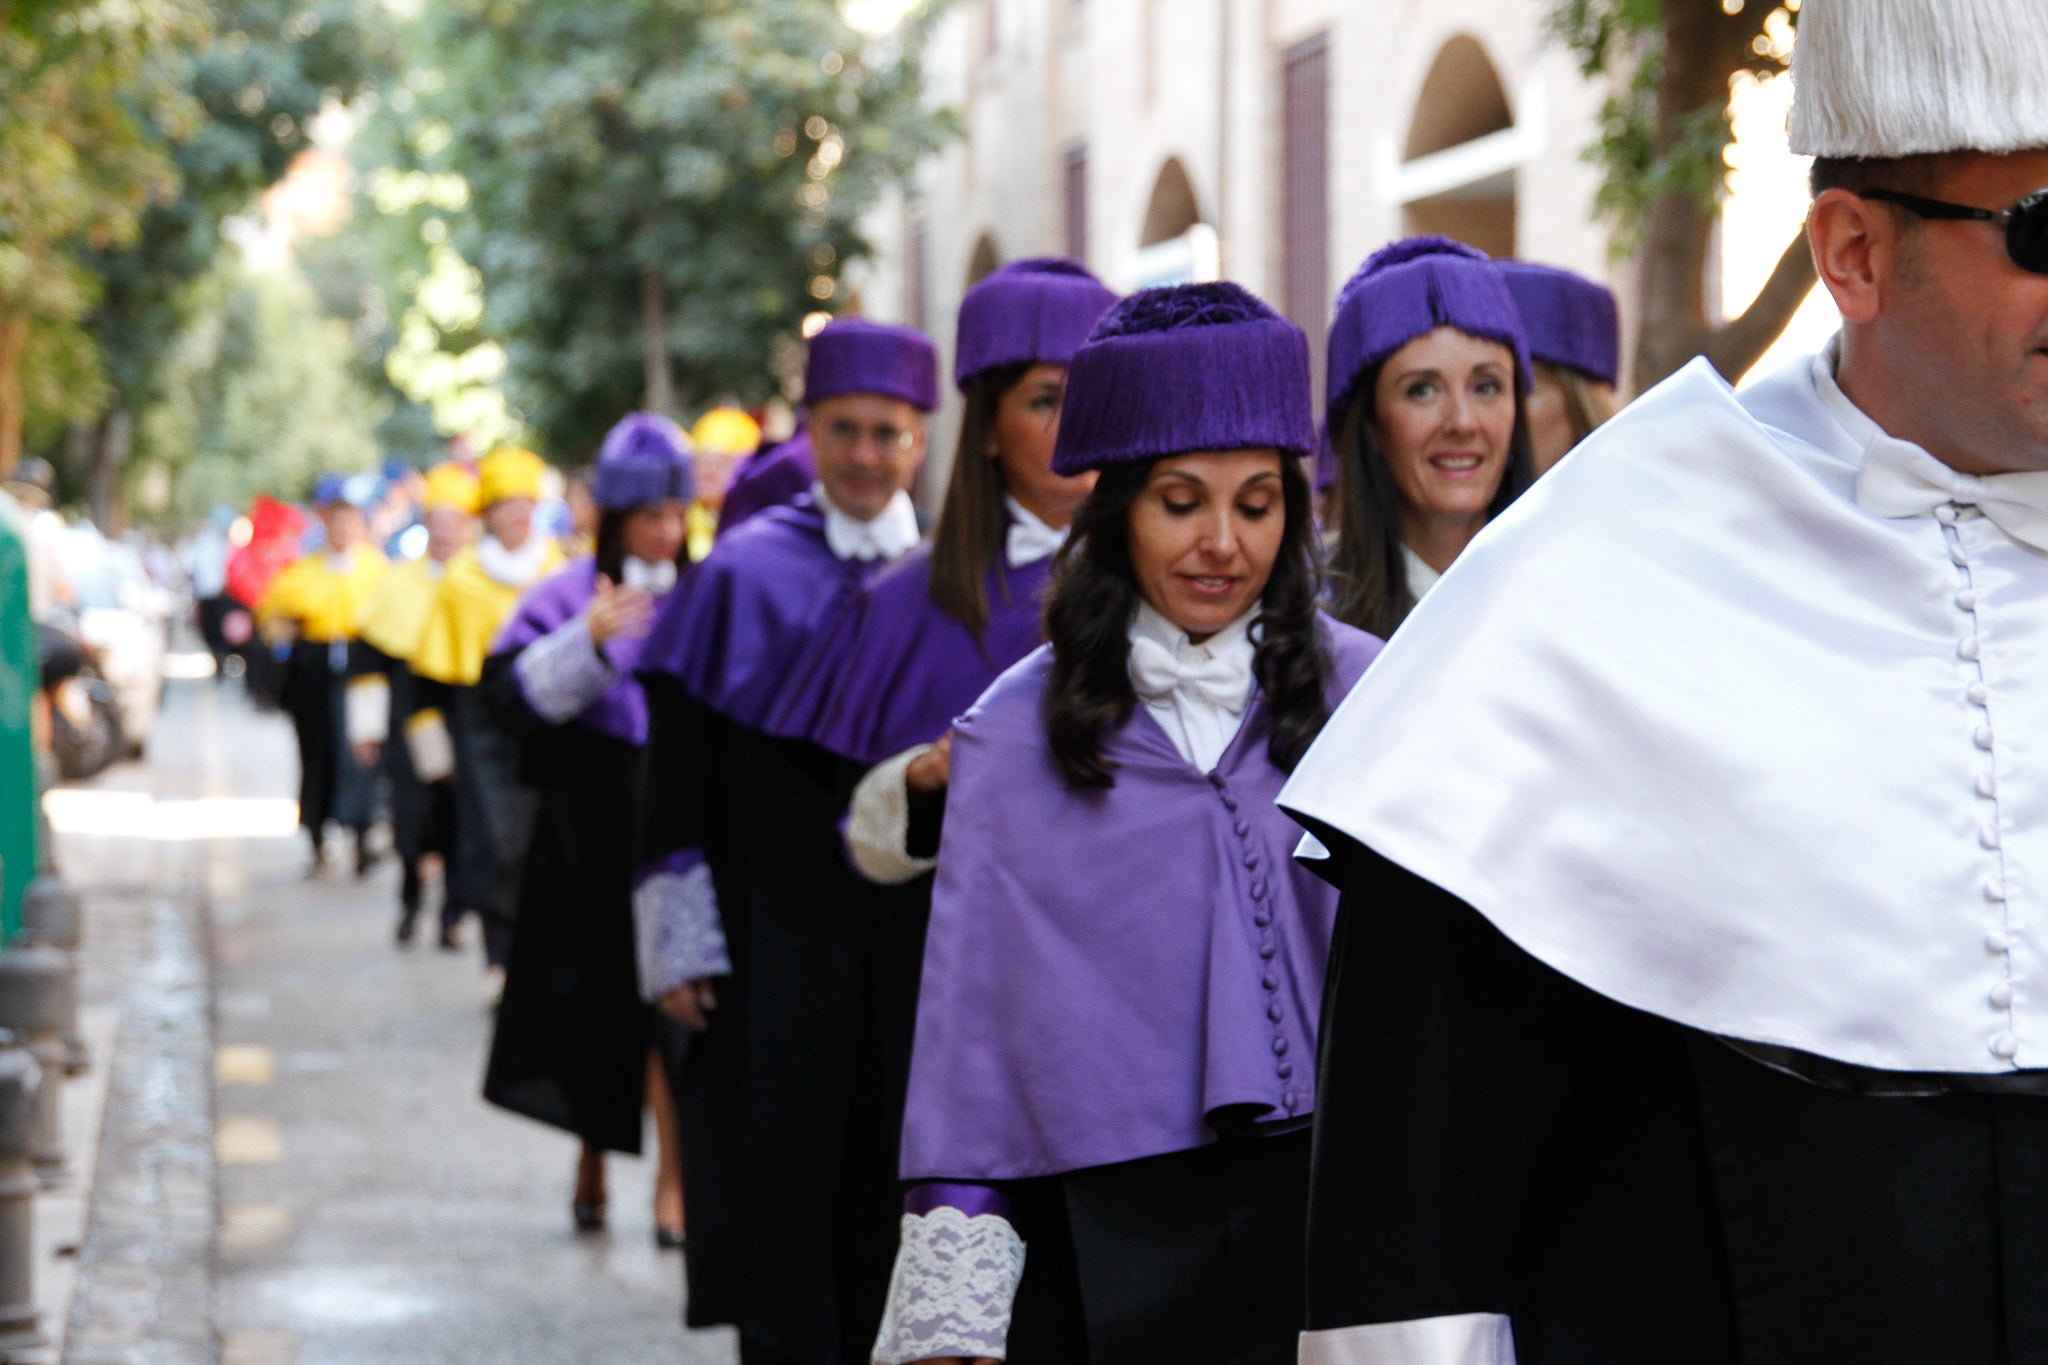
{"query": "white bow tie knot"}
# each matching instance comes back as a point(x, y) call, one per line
point(1158, 673)
point(1901, 480)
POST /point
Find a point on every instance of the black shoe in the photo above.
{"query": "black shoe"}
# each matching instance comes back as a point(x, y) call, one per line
point(588, 1213)
point(669, 1239)
point(408, 919)
point(451, 938)
point(319, 860)
point(366, 857)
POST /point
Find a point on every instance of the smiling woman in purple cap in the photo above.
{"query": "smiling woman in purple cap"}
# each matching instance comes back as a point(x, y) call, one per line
point(1428, 370)
point(1115, 1043)
point(1575, 343)
point(743, 872)
point(572, 1044)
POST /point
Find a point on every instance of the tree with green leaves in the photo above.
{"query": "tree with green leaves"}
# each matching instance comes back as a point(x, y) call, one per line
point(660, 190)
point(1665, 131)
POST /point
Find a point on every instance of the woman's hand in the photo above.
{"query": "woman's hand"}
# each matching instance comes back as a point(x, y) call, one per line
point(616, 611)
point(931, 770)
point(691, 1004)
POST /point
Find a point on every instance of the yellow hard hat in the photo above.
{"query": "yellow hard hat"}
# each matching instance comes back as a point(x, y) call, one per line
point(452, 485)
point(726, 431)
point(508, 472)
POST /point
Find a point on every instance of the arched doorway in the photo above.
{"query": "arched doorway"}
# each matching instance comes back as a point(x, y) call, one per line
point(984, 260)
point(1462, 151)
point(1174, 245)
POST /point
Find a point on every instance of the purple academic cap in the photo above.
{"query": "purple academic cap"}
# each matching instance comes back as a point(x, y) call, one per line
point(1410, 289)
point(1570, 320)
point(853, 355)
point(1188, 367)
point(1036, 310)
point(644, 459)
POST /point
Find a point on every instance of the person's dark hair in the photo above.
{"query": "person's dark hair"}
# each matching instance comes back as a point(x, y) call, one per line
point(973, 521)
point(1088, 617)
point(611, 543)
point(1368, 577)
point(1909, 174)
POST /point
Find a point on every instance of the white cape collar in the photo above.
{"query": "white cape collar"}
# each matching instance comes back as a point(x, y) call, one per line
point(1694, 729)
point(519, 568)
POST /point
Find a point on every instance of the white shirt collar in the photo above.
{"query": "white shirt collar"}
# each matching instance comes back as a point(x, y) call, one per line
point(889, 535)
point(1198, 693)
point(653, 579)
point(1421, 578)
point(1029, 539)
point(513, 568)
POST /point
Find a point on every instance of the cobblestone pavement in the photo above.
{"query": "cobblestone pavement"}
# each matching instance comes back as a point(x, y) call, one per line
point(297, 1168)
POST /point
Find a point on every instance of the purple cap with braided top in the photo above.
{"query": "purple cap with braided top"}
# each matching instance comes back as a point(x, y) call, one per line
point(853, 355)
point(1189, 367)
point(644, 459)
point(1570, 320)
point(1041, 310)
point(1410, 289)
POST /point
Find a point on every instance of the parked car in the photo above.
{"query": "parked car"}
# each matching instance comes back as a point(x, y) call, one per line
point(124, 620)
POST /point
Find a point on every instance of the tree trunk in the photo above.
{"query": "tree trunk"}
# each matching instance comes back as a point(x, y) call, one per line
point(110, 442)
point(661, 392)
point(1704, 46)
point(13, 344)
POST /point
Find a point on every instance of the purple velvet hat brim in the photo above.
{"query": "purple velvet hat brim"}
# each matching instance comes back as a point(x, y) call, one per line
point(853, 356)
point(1381, 313)
point(1147, 395)
point(1017, 317)
point(1570, 320)
point(638, 480)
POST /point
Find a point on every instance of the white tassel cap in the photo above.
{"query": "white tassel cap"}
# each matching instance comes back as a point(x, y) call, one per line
point(1890, 78)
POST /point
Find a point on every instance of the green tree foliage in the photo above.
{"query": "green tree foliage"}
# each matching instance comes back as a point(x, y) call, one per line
point(658, 191)
point(1665, 130)
point(260, 393)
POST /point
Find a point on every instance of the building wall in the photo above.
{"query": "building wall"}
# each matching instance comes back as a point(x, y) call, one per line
point(1142, 83)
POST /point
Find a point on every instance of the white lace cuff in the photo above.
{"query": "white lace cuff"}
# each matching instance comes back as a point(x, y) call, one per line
point(562, 672)
point(955, 1280)
point(676, 930)
point(878, 823)
point(367, 709)
point(1463, 1339)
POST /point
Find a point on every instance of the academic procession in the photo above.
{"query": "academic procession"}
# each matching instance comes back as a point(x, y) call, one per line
point(1173, 836)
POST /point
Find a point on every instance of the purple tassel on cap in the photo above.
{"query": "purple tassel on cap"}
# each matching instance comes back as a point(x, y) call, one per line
point(1190, 367)
point(1570, 320)
point(1410, 289)
point(853, 355)
point(644, 459)
point(1038, 310)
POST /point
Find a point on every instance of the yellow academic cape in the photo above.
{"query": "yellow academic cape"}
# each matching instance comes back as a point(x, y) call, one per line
point(467, 611)
point(395, 618)
point(323, 600)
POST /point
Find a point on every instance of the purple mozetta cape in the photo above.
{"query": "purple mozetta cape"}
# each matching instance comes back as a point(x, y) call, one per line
point(554, 602)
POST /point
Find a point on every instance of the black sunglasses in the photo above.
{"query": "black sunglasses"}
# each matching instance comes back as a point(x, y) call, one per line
point(2025, 223)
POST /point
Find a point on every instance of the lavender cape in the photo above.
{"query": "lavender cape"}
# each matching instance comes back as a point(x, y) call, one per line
point(734, 630)
point(897, 670)
point(1107, 971)
point(769, 478)
point(622, 711)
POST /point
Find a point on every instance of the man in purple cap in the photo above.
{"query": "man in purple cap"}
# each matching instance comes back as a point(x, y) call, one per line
point(742, 864)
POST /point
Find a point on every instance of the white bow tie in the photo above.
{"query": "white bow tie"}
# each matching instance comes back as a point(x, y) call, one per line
point(1902, 480)
point(652, 579)
point(1030, 541)
point(1157, 673)
point(885, 537)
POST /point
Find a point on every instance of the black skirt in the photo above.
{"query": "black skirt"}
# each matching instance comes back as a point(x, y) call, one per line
point(1193, 1257)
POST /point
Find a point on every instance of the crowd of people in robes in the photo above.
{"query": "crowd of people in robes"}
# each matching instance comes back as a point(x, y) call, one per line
point(1250, 883)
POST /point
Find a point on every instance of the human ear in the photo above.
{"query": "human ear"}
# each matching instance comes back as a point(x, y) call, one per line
point(1854, 243)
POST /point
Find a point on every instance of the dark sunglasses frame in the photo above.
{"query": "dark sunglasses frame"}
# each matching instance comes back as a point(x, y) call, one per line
point(2025, 223)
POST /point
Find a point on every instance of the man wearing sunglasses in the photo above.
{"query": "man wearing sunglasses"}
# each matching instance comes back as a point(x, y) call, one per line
point(1691, 1004)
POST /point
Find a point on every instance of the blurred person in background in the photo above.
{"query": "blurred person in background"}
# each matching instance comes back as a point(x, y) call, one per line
point(1574, 334)
point(722, 439)
point(312, 610)
point(204, 559)
point(1427, 373)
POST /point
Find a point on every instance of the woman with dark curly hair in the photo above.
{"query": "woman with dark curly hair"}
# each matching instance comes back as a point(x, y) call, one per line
point(1429, 373)
point(1116, 1032)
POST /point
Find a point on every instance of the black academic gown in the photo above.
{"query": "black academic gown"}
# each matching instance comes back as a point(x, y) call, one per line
point(784, 1102)
point(570, 1047)
point(1492, 1137)
point(331, 786)
point(494, 812)
point(421, 819)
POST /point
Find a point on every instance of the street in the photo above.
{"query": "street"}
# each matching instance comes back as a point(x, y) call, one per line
point(295, 1164)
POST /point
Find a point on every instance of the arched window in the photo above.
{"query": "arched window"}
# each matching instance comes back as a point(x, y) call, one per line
point(983, 262)
point(1458, 169)
point(1174, 245)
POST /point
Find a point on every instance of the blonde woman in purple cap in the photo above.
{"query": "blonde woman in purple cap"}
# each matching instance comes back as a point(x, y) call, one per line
point(1575, 345)
point(1428, 372)
point(1116, 1035)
